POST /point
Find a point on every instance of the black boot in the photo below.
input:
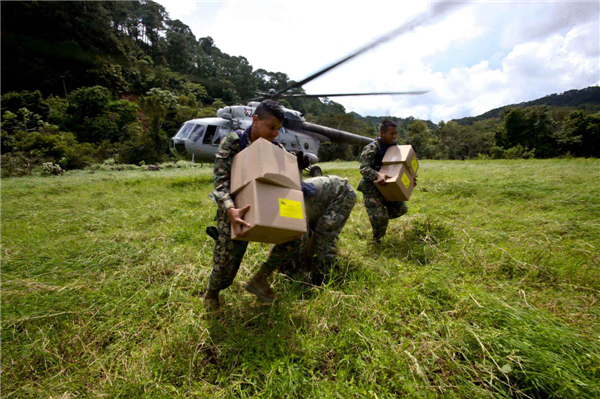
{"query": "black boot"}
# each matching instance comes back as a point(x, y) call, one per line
point(317, 278)
point(322, 272)
point(212, 232)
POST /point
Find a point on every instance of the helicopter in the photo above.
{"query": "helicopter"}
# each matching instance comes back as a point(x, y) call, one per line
point(198, 139)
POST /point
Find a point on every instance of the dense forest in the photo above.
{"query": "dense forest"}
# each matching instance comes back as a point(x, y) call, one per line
point(86, 82)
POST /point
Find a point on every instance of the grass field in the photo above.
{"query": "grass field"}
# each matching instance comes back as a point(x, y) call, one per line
point(488, 288)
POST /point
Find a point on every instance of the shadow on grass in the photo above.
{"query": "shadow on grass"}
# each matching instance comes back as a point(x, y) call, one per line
point(298, 285)
point(419, 240)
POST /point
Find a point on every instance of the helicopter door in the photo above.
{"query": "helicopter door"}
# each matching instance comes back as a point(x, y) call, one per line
point(222, 132)
point(209, 136)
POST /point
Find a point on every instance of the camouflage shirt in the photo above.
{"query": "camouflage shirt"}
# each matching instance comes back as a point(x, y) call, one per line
point(370, 164)
point(228, 148)
point(326, 190)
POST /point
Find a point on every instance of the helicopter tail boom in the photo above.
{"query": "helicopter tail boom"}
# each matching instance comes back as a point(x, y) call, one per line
point(336, 135)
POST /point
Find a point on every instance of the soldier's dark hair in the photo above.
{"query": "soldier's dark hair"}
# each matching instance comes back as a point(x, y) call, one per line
point(269, 107)
point(387, 124)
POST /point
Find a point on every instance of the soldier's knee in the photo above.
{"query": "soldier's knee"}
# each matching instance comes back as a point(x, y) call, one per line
point(351, 197)
point(397, 210)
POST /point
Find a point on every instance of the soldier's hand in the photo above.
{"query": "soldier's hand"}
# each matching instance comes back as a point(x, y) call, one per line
point(303, 160)
point(236, 215)
point(381, 178)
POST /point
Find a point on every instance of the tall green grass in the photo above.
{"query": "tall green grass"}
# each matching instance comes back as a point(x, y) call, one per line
point(488, 287)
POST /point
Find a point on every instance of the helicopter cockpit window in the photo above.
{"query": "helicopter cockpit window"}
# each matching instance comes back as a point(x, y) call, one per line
point(185, 130)
point(293, 144)
point(210, 134)
point(197, 132)
point(306, 146)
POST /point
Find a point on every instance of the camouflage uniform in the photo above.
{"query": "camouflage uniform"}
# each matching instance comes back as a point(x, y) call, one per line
point(379, 210)
point(228, 253)
point(327, 212)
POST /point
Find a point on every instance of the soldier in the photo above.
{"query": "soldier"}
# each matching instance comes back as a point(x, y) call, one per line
point(378, 209)
point(228, 253)
point(327, 210)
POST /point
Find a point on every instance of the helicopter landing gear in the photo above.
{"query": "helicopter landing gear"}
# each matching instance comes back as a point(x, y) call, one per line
point(315, 171)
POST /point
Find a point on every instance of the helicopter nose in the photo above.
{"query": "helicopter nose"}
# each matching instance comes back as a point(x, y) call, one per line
point(177, 146)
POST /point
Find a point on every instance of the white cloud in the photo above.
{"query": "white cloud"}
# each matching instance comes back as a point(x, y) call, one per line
point(180, 8)
point(535, 21)
point(516, 51)
point(529, 71)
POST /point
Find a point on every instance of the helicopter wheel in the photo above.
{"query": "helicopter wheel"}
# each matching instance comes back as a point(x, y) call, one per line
point(315, 171)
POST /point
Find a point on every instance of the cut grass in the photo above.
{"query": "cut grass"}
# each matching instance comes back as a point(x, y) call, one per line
point(488, 287)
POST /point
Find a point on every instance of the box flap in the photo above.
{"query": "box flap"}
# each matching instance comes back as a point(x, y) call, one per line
point(402, 154)
point(266, 162)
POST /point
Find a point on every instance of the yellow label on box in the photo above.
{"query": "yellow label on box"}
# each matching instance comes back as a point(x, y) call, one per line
point(414, 164)
point(405, 180)
point(290, 209)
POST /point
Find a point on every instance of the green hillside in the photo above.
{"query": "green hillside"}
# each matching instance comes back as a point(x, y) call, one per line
point(587, 99)
point(90, 82)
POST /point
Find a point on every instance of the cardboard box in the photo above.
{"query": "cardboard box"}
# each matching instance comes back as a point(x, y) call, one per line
point(402, 154)
point(399, 186)
point(265, 162)
point(276, 213)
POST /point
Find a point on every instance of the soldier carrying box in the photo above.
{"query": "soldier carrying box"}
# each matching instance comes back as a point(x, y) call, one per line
point(379, 210)
point(228, 253)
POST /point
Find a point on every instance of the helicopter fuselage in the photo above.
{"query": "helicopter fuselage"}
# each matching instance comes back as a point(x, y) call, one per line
point(198, 139)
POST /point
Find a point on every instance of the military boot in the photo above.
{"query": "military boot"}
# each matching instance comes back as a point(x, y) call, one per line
point(212, 232)
point(259, 286)
point(211, 301)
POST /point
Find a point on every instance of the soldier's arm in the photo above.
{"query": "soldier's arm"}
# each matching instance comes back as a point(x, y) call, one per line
point(366, 160)
point(222, 174)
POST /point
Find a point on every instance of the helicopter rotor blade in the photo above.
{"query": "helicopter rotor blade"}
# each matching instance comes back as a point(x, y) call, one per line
point(357, 94)
point(436, 10)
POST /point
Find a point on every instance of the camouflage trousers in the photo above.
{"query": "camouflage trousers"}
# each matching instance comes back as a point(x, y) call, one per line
point(381, 211)
point(227, 256)
point(330, 210)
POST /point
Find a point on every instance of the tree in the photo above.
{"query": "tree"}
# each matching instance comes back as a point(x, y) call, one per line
point(419, 136)
point(180, 47)
point(581, 134)
point(157, 105)
point(32, 100)
point(532, 128)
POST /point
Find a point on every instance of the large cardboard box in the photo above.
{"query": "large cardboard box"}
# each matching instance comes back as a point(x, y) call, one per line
point(276, 213)
point(265, 162)
point(399, 186)
point(402, 154)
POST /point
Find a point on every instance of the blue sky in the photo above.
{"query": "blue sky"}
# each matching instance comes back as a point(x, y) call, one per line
point(476, 57)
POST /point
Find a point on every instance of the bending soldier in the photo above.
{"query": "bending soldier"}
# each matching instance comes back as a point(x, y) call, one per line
point(379, 210)
point(327, 210)
point(228, 253)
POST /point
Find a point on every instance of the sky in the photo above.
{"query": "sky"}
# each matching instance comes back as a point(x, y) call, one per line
point(472, 57)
